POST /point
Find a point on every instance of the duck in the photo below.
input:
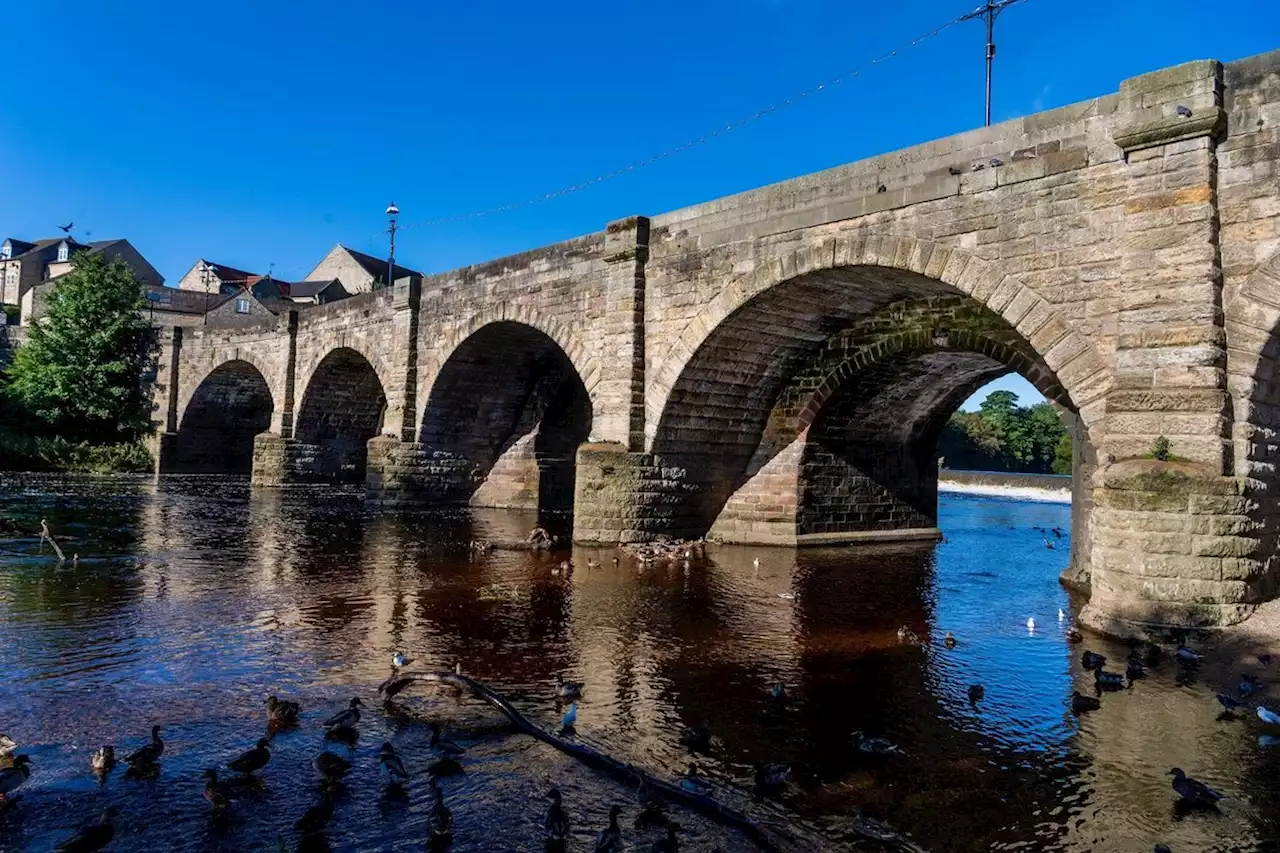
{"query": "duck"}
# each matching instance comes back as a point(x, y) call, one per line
point(1229, 703)
point(282, 713)
point(446, 766)
point(252, 759)
point(147, 753)
point(556, 826)
point(778, 691)
point(568, 689)
point(570, 718)
point(347, 735)
point(316, 818)
point(1050, 545)
point(331, 767)
point(651, 813)
point(442, 745)
point(348, 718)
point(695, 784)
point(771, 777)
point(1133, 667)
point(875, 745)
point(609, 840)
point(949, 641)
point(1161, 848)
point(391, 764)
point(7, 745)
point(1249, 684)
point(399, 661)
point(976, 693)
point(92, 837)
point(1081, 704)
point(1062, 616)
point(1194, 791)
point(1093, 660)
point(697, 739)
point(1105, 680)
point(439, 819)
point(908, 637)
point(1074, 636)
point(1185, 654)
point(1271, 718)
point(103, 760)
point(12, 777)
point(219, 794)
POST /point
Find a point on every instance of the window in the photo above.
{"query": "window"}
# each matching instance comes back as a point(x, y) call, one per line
point(242, 306)
point(62, 253)
point(6, 251)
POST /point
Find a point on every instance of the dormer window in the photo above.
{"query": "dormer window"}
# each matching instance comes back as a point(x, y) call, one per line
point(6, 250)
point(63, 252)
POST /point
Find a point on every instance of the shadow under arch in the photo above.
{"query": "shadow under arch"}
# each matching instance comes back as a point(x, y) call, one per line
point(829, 369)
point(343, 406)
point(506, 413)
point(230, 406)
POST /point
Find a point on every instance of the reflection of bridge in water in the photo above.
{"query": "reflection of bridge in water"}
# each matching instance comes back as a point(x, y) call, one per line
point(775, 367)
point(664, 648)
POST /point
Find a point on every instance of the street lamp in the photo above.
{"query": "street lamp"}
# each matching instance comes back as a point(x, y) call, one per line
point(392, 213)
point(206, 276)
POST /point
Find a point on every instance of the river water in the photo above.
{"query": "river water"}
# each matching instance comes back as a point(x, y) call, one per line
point(193, 601)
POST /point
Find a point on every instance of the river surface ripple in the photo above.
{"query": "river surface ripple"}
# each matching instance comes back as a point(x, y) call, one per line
point(194, 600)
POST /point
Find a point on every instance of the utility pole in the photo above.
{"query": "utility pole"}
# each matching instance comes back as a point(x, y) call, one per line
point(206, 276)
point(392, 213)
point(988, 12)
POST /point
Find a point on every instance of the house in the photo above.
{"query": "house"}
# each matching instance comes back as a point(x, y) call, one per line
point(358, 272)
point(170, 306)
point(299, 292)
point(24, 265)
point(244, 309)
point(219, 278)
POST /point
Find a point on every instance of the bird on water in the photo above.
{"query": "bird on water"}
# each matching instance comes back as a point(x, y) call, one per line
point(147, 753)
point(610, 838)
point(252, 759)
point(1193, 791)
point(347, 718)
point(94, 836)
point(556, 826)
point(12, 777)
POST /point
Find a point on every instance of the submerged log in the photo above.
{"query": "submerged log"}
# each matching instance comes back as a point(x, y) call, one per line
point(764, 838)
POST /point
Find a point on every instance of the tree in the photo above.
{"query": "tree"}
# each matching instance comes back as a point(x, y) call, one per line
point(1003, 436)
point(1062, 458)
point(79, 375)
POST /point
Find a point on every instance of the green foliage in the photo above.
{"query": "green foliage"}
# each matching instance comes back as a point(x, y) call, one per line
point(19, 452)
point(1161, 449)
point(1062, 455)
point(1003, 436)
point(78, 376)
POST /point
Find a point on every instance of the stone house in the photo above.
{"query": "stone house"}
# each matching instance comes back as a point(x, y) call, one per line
point(25, 266)
point(358, 272)
point(221, 280)
point(245, 309)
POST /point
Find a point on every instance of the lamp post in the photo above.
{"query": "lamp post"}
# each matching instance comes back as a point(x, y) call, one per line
point(206, 277)
point(392, 213)
point(988, 12)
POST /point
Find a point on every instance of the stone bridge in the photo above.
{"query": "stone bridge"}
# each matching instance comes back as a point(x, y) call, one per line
point(775, 366)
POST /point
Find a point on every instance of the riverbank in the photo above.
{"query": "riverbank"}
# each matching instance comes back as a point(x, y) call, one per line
point(1048, 488)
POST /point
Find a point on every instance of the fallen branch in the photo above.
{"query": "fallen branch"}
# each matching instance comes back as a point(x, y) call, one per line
point(764, 838)
point(46, 536)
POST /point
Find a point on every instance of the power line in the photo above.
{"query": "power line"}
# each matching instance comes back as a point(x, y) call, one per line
point(705, 138)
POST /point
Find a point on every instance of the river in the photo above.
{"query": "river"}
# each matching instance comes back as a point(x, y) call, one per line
point(192, 602)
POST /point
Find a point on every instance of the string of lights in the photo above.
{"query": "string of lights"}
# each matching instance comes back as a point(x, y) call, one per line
point(693, 143)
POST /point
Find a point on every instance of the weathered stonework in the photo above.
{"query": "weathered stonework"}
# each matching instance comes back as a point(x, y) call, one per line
point(775, 366)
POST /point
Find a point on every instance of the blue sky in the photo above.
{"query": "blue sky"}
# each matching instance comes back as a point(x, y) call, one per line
point(254, 134)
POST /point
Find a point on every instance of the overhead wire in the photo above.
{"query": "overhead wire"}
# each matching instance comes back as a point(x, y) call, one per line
point(693, 143)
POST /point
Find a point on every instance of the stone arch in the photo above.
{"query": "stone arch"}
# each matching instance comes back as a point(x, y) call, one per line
point(309, 360)
point(1074, 359)
point(455, 334)
point(722, 383)
point(505, 413)
point(1252, 322)
point(343, 406)
point(229, 405)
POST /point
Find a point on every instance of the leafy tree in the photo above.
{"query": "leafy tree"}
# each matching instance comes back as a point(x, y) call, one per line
point(78, 376)
point(1003, 436)
point(1062, 462)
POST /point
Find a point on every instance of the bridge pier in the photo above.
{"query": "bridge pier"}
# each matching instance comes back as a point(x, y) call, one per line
point(280, 461)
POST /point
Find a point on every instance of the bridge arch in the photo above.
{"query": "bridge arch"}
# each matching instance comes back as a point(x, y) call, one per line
point(506, 412)
point(229, 405)
point(343, 406)
point(770, 390)
point(1252, 319)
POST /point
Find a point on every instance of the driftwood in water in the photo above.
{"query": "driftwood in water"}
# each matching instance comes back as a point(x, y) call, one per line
point(597, 760)
point(46, 536)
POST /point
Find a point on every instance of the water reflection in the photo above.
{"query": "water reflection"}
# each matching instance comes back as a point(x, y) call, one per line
point(195, 600)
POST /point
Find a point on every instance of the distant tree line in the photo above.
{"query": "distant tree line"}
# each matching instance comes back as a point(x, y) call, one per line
point(1003, 436)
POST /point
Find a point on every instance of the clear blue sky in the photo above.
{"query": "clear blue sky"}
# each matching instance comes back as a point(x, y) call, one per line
point(253, 133)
